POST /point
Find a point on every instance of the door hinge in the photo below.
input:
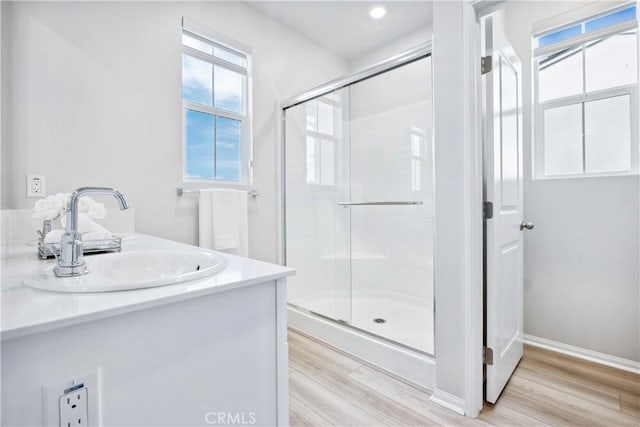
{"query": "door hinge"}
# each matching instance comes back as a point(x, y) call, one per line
point(487, 355)
point(487, 210)
point(485, 64)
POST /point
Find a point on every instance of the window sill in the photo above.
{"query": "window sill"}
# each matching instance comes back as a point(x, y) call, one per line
point(585, 175)
point(214, 181)
point(203, 184)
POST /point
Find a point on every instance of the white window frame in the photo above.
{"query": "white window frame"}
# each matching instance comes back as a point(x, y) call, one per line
point(246, 129)
point(540, 107)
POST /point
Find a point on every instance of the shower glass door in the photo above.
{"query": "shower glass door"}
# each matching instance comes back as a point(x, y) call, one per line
point(392, 242)
point(316, 179)
point(359, 205)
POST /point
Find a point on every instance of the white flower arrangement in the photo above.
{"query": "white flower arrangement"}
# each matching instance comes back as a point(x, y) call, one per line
point(55, 206)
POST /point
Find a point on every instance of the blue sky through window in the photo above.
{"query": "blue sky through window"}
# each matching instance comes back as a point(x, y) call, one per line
point(611, 19)
point(228, 152)
point(204, 160)
point(197, 82)
point(560, 35)
point(605, 21)
point(227, 86)
point(200, 150)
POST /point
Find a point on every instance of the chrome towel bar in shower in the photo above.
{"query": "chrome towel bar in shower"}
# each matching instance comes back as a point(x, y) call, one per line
point(406, 202)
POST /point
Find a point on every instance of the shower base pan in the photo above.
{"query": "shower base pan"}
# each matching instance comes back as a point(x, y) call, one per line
point(381, 319)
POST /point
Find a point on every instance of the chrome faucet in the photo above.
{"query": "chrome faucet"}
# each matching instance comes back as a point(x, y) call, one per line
point(71, 260)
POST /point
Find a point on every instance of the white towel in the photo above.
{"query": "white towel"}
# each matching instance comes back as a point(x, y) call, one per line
point(223, 221)
point(89, 229)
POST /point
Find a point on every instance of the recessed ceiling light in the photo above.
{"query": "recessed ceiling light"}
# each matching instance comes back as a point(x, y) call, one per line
point(377, 12)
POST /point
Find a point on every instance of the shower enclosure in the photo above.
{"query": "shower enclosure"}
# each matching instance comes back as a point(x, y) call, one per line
point(359, 202)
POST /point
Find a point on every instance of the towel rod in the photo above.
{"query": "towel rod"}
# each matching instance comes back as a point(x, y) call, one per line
point(408, 202)
point(180, 191)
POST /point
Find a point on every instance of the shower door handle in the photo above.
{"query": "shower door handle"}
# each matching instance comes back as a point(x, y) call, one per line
point(400, 203)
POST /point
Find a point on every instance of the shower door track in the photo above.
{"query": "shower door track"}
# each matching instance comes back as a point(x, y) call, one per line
point(415, 54)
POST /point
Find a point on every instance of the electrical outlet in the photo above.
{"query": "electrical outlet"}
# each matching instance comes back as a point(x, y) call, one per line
point(74, 407)
point(36, 186)
point(55, 405)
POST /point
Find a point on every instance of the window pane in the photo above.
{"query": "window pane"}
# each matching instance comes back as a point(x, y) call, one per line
point(200, 153)
point(325, 118)
point(196, 80)
point(611, 19)
point(608, 134)
point(311, 160)
point(563, 140)
point(228, 55)
point(312, 115)
point(416, 165)
point(612, 61)
point(560, 75)
point(228, 149)
point(326, 162)
point(415, 145)
point(195, 43)
point(228, 89)
point(560, 35)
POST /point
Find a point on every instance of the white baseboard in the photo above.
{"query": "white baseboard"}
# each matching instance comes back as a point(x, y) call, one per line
point(583, 353)
point(448, 400)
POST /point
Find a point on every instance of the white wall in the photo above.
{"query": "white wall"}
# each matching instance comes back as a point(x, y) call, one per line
point(582, 274)
point(391, 48)
point(92, 95)
point(3, 169)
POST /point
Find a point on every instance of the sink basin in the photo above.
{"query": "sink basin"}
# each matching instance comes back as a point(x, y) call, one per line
point(133, 270)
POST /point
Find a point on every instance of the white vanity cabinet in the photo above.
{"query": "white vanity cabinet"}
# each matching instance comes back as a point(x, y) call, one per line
point(206, 352)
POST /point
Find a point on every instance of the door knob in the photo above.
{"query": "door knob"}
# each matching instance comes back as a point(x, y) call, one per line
point(527, 225)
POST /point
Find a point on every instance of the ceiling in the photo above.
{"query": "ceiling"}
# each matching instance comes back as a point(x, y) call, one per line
point(345, 26)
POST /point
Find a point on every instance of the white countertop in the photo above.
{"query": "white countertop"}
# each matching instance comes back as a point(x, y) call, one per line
point(26, 311)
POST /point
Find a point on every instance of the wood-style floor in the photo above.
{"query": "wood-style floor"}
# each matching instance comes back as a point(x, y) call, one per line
point(329, 388)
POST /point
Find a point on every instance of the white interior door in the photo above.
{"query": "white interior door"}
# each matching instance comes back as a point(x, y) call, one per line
point(503, 188)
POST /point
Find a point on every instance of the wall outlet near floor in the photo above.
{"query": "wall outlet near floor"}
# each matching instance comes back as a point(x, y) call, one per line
point(74, 407)
point(36, 186)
